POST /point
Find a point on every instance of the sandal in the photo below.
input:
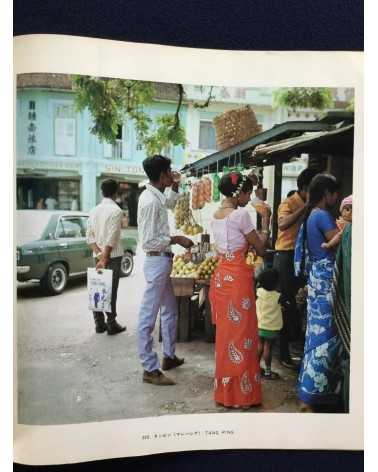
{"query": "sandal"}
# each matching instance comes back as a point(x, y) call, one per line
point(270, 375)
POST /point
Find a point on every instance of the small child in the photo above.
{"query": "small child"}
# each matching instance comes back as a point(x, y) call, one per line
point(345, 218)
point(269, 317)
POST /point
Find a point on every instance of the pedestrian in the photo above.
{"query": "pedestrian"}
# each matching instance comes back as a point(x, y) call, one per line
point(104, 238)
point(237, 382)
point(50, 203)
point(161, 194)
point(290, 216)
point(40, 204)
point(320, 375)
point(74, 204)
point(269, 316)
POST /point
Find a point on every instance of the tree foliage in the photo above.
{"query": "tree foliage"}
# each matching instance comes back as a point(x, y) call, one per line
point(111, 102)
point(350, 106)
point(304, 97)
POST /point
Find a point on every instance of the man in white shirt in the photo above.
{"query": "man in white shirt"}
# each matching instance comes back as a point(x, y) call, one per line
point(104, 238)
point(156, 241)
point(50, 203)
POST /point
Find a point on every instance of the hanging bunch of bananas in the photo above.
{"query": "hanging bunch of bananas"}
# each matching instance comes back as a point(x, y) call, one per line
point(184, 219)
point(182, 210)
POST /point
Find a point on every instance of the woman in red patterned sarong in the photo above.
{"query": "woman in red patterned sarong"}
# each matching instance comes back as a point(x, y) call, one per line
point(232, 297)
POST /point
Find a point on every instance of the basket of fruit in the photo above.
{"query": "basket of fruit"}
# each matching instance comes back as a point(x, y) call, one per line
point(183, 274)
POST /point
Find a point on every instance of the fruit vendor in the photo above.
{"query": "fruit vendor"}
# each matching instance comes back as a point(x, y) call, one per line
point(290, 216)
point(161, 194)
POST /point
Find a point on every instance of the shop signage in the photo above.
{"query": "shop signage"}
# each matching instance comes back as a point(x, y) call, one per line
point(32, 164)
point(113, 168)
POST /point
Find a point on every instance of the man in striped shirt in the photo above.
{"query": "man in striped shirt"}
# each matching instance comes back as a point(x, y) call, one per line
point(104, 238)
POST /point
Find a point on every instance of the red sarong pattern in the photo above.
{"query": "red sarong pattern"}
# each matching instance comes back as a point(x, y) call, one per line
point(233, 308)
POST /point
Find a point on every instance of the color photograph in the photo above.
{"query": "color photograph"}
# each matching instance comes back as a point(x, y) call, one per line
point(181, 249)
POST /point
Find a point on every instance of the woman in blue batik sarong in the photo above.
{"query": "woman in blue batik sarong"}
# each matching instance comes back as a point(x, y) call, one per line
point(320, 375)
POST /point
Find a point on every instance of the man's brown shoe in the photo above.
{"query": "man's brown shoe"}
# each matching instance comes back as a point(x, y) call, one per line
point(171, 363)
point(115, 328)
point(157, 377)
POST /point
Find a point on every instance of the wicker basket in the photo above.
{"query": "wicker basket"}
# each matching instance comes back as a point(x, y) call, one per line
point(235, 126)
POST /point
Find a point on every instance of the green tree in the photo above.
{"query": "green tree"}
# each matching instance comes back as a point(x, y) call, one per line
point(111, 102)
point(304, 97)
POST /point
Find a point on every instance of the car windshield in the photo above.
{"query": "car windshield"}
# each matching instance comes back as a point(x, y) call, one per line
point(30, 225)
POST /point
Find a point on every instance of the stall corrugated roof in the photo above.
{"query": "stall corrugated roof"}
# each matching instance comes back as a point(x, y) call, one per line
point(300, 131)
point(337, 141)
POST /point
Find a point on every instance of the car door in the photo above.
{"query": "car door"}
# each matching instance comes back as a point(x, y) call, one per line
point(88, 260)
point(71, 242)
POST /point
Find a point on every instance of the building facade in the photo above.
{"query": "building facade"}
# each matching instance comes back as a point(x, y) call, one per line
point(61, 164)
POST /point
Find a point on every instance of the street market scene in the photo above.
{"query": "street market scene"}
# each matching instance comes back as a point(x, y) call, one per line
point(181, 249)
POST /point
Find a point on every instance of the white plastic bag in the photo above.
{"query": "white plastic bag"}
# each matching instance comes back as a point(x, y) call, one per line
point(100, 289)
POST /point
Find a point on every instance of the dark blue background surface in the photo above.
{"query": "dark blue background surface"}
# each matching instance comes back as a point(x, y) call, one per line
point(232, 24)
point(260, 25)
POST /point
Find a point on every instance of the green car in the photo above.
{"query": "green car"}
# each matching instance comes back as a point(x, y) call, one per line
point(51, 248)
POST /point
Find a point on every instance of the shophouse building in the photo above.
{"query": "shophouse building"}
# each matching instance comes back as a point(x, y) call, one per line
point(61, 163)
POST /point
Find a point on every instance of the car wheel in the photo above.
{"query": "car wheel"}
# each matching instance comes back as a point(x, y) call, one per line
point(127, 264)
point(55, 279)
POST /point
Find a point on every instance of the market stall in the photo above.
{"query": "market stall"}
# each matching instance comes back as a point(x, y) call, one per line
point(328, 142)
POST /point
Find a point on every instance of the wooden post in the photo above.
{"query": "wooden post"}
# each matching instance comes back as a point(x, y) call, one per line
point(276, 199)
point(183, 321)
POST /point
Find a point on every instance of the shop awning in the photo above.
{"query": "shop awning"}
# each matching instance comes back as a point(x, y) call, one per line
point(336, 142)
point(305, 131)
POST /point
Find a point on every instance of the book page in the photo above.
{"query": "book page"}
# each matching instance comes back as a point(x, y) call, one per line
point(80, 394)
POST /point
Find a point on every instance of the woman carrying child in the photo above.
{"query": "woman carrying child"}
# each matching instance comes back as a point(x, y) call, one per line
point(237, 381)
point(320, 375)
point(269, 316)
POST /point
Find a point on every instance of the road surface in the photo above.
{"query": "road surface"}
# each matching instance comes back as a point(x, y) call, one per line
point(69, 374)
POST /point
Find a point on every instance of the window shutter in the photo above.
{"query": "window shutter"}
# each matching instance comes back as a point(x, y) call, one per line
point(65, 136)
point(70, 137)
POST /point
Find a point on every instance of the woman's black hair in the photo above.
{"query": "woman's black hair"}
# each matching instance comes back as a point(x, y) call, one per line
point(268, 279)
point(230, 183)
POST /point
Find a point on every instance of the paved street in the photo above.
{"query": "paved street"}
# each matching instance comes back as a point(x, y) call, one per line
point(69, 374)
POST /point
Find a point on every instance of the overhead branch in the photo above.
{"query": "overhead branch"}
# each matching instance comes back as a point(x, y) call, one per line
point(207, 103)
point(181, 97)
